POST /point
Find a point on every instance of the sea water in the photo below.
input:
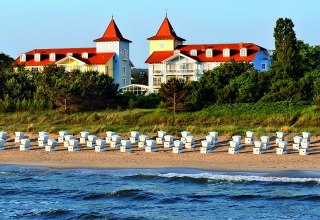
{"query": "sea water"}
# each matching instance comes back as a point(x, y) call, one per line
point(44, 193)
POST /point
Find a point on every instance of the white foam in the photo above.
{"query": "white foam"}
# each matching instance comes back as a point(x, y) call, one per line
point(240, 178)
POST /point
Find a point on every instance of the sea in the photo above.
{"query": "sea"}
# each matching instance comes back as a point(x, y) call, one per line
point(45, 193)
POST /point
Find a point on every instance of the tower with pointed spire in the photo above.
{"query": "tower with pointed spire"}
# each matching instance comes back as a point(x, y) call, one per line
point(112, 41)
point(166, 38)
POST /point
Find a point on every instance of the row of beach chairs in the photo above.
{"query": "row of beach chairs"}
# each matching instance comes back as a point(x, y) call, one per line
point(187, 141)
point(300, 143)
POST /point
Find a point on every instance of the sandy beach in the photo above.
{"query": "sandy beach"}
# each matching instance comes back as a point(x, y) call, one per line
point(218, 160)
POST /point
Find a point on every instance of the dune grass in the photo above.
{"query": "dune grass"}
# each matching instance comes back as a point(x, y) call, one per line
point(226, 119)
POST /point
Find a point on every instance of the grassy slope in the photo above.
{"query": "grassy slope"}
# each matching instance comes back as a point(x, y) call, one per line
point(228, 119)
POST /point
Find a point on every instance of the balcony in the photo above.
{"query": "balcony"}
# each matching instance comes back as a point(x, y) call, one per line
point(181, 71)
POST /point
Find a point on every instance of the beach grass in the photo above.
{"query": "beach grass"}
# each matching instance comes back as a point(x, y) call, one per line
point(227, 119)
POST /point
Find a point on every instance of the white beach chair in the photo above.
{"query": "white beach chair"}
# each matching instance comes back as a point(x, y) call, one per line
point(258, 147)
point(296, 143)
point(189, 143)
point(151, 146)
point(184, 135)
point(100, 145)
point(214, 134)
point(51, 145)
point(282, 147)
point(206, 146)
point(73, 145)
point(306, 136)
point(280, 136)
point(24, 144)
point(125, 146)
point(84, 137)
point(109, 135)
point(234, 147)
point(265, 142)
point(61, 136)
point(43, 139)
point(249, 137)
point(160, 138)
point(168, 141)
point(3, 135)
point(134, 137)
point(18, 136)
point(142, 141)
point(91, 142)
point(178, 145)
point(67, 139)
point(237, 138)
point(115, 141)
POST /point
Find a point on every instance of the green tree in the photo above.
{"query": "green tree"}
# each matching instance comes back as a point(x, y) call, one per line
point(286, 55)
point(5, 62)
point(175, 93)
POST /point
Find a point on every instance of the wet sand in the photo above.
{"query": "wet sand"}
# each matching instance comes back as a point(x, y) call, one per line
point(218, 160)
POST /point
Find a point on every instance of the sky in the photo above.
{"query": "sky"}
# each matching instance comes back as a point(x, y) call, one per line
point(33, 24)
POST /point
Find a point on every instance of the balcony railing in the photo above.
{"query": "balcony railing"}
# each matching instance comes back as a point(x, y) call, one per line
point(181, 71)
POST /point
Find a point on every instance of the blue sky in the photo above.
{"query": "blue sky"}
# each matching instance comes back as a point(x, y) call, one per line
point(31, 24)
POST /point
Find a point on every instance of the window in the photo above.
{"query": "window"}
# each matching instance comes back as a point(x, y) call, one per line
point(243, 52)
point(193, 53)
point(107, 70)
point(52, 57)
point(124, 73)
point(156, 81)
point(124, 81)
point(162, 45)
point(37, 57)
point(23, 57)
point(263, 66)
point(124, 54)
point(35, 69)
point(226, 52)
point(85, 55)
point(209, 53)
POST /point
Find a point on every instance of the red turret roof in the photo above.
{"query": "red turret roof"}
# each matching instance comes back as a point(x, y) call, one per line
point(166, 32)
point(112, 33)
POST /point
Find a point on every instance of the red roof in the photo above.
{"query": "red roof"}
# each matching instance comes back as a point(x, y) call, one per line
point(166, 32)
point(112, 33)
point(217, 52)
point(159, 56)
point(61, 53)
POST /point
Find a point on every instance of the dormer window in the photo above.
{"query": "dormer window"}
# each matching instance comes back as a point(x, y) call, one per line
point(85, 55)
point(23, 57)
point(243, 52)
point(52, 57)
point(208, 52)
point(193, 52)
point(226, 52)
point(37, 57)
point(69, 54)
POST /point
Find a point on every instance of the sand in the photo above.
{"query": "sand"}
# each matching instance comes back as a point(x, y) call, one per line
point(218, 160)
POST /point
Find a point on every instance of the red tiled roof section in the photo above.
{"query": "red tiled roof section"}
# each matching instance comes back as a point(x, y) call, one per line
point(166, 32)
point(159, 56)
point(112, 33)
point(217, 52)
point(61, 53)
